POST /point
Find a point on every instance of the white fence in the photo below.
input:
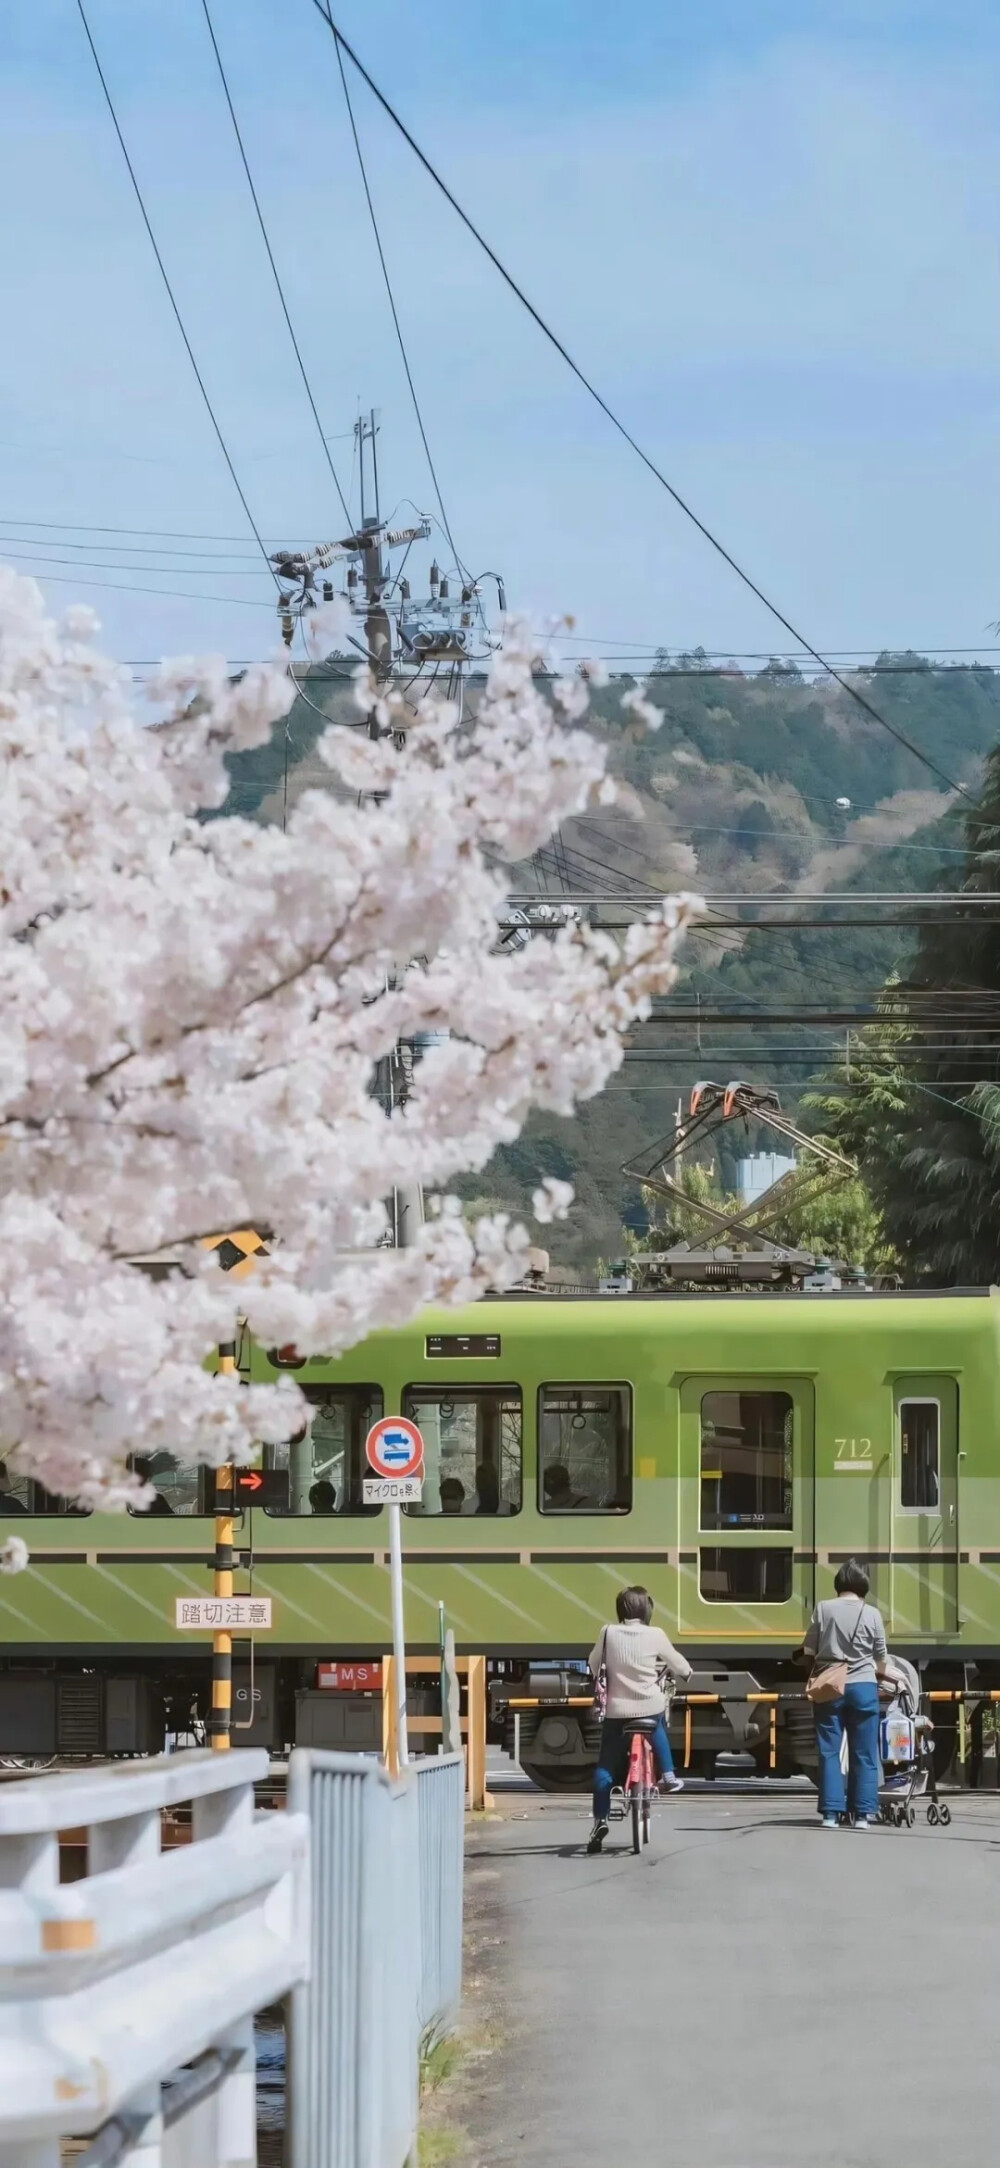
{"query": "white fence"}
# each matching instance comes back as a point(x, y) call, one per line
point(127, 1998)
point(386, 1905)
point(153, 1961)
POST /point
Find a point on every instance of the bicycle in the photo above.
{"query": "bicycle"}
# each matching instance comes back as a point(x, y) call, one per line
point(634, 1800)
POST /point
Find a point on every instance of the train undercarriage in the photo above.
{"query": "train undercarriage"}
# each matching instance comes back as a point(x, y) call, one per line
point(745, 1718)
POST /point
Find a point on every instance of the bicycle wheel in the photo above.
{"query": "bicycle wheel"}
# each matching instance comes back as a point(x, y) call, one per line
point(647, 1815)
point(636, 1838)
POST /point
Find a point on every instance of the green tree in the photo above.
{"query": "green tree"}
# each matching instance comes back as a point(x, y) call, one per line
point(923, 1117)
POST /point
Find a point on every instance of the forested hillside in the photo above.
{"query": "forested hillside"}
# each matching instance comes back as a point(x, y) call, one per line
point(736, 792)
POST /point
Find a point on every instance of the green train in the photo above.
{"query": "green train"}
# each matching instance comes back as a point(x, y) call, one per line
point(726, 1450)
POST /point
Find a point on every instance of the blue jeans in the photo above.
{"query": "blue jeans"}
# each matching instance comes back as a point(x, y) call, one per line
point(856, 1712)
point(614, 1732)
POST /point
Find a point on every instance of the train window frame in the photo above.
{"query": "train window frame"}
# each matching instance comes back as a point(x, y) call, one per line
point(921, 1400)
point(445, 1390)
point(785, 1551)
point(60, 1508)
point(375, 1394)
point(206, 1483)
point(583, 1386)
point(734, 1527)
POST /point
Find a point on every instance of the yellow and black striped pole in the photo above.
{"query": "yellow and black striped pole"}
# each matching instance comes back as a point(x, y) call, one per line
point(235, 1253)
point(220, 1720)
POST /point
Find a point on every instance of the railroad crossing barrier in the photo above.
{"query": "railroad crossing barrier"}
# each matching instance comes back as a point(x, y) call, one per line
point(127, 1998)
point(472, 1724)
point(386, 1952)
point(688, 1702)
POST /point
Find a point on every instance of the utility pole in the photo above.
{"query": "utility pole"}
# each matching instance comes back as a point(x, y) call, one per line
point(378, 631)
point(439, 629)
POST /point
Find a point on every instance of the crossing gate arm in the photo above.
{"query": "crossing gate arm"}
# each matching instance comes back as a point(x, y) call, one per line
point(154, 1959)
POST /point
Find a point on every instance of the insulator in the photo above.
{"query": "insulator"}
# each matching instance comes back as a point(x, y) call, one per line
point(404, 590)
point(287, 627)
point(328, 590)
point(467, 593)
point(444, 590)
point(435, 578)
point(352, 580)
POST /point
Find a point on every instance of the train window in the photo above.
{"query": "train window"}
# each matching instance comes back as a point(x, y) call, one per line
point(585, 1449)
point(21, 1495)
point(180, 1490)
point(472, 1448)
point(326, 1463)
point(731, 1576)
point(920, 1456)
point(746, 1460)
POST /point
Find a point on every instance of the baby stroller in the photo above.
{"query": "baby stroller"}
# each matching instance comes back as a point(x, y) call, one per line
point(907, 1753)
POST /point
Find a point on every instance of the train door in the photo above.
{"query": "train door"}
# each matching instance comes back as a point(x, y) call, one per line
point(747, 1508)
point(923, 1554)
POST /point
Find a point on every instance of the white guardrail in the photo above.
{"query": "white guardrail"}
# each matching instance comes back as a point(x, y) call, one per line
point(127, 1998)
point(155, 1960)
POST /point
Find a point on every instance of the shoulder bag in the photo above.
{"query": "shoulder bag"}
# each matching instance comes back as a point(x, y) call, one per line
point(828, 1683)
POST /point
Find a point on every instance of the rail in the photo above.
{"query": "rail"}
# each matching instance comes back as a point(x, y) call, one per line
point(127, 1997)
point(385, 1934)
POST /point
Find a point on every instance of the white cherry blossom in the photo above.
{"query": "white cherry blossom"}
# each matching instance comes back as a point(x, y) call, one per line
point(192, 1014)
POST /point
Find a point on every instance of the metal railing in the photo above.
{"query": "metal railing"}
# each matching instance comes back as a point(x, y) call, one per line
point(440, 1834)
point(386, 1944)
point(150, 1968)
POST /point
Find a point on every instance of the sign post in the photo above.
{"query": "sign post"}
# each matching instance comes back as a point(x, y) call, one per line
point(395, 1453)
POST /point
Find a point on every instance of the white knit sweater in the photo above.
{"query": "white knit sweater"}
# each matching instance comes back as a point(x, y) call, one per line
point(635, 1657)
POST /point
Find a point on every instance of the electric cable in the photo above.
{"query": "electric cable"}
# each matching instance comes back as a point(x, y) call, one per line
point(324, 11)
point(392, 299)
point(111, 564)
point(209, 557)
point(129, 587)
point(80, 526)
point(303, 372)
point(171, 296)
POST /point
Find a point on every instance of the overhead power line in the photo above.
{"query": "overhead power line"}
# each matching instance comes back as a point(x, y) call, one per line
point(80, 526)
point(129, 587)
point(303, 372)
point(171, 296)
point(392, 302)
point(177, 572)
point(323, 10)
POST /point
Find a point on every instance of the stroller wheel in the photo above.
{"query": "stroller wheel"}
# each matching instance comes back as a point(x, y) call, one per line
point(944, 1815)
point(911, 1816)
point(933, 1815)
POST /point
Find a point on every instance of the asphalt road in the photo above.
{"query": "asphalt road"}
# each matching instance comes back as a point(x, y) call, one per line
point(752, 1992)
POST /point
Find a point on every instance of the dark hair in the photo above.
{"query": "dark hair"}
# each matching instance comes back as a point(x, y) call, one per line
point(634, 1603)
point(851, 1579)
point(555, 1481)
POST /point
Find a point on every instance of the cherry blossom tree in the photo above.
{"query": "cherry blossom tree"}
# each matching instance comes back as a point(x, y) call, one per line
point(192, 1013)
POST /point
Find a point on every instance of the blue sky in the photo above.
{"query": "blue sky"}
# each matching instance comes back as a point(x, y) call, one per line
point(769, 232)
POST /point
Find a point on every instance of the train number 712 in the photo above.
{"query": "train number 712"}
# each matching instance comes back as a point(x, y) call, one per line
point(853, 1451)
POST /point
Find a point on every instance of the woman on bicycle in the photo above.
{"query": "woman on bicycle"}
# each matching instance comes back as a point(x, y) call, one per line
point(636, 1658)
